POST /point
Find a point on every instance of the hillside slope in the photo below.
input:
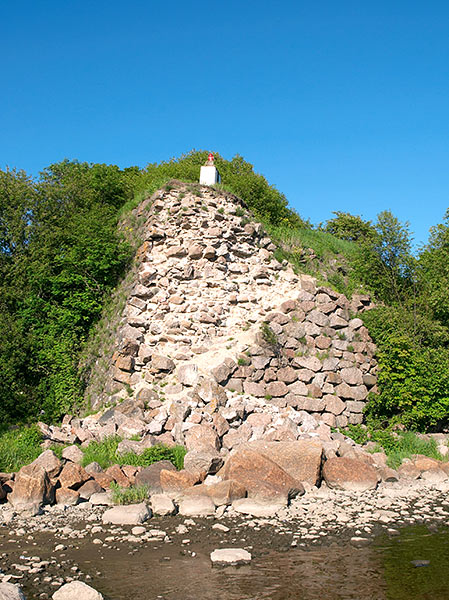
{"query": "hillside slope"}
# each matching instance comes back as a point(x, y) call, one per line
point(216, 328)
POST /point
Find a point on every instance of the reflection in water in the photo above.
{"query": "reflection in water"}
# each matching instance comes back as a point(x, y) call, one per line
point(403, 579)
point(326, 573)
point(338, 571)
point(383, 571)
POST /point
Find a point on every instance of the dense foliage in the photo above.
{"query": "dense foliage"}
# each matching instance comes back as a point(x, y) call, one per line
point(411, 324)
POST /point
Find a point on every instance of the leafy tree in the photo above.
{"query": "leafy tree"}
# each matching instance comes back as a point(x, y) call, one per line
point(433, 272)
point(351, 228)
point(414, 384)
point(60, 255)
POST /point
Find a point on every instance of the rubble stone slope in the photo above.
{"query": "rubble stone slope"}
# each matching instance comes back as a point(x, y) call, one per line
point(217, 333)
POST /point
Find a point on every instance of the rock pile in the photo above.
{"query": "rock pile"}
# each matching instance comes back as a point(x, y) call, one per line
point(228, 352)
point(217, 332)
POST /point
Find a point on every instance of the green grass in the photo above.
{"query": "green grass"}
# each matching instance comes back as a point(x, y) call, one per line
point(407, 445)
point(243, 362)
point(334, 256)
point(396, 447)
point(105, 454)
point(19, 447)
point(130, 495)
point(322, 243)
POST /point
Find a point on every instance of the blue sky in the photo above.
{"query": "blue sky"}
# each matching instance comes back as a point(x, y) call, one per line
point(341, 105)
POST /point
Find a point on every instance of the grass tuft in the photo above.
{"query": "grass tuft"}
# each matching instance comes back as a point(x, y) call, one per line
point(19, 447)
point(105, 453)
point(397, 447)
point(130, 495)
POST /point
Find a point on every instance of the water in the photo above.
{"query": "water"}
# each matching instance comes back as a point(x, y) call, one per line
point(381, 571)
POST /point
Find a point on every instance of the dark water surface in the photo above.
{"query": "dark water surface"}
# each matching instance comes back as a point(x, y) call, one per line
point(338, 570)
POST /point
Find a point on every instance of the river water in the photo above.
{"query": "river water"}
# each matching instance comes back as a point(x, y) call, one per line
point(333, 570)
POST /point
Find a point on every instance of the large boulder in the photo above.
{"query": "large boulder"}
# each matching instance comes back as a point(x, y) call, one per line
point(225, 492)
point(73, 454)
point(151, 476)
point(10, 591)
point(132, 514)
point(49, 462)
point(73, 476)
point(260, 476)
point(76, 590)
point(175, 482)
point(67, 496)
point(32, 488)
point(350, 474)
point(208, 460)
point(197, 506)
point(162, 505)
point(221, 493)
point(89, 488)
point(261, 509)
point(301, 459)
point(202, 437)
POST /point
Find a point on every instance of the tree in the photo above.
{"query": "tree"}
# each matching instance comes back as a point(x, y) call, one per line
point(351, 228)
point(433, 272)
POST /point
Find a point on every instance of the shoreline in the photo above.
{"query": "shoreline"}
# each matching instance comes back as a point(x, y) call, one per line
point(40, 553)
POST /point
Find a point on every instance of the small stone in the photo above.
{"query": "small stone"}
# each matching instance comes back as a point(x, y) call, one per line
point(221, 527)
point(138, 530)
point(230, 556)
point(420, 563)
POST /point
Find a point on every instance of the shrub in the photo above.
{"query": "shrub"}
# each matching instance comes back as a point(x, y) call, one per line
point(268, 335)
point(357, 433)
point(413, 384)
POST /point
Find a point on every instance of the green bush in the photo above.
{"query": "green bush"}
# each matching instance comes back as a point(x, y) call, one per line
point(413, 384)
point(358, 433)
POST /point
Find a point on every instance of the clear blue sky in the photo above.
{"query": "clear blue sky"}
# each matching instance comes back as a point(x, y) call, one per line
point(342, 105)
